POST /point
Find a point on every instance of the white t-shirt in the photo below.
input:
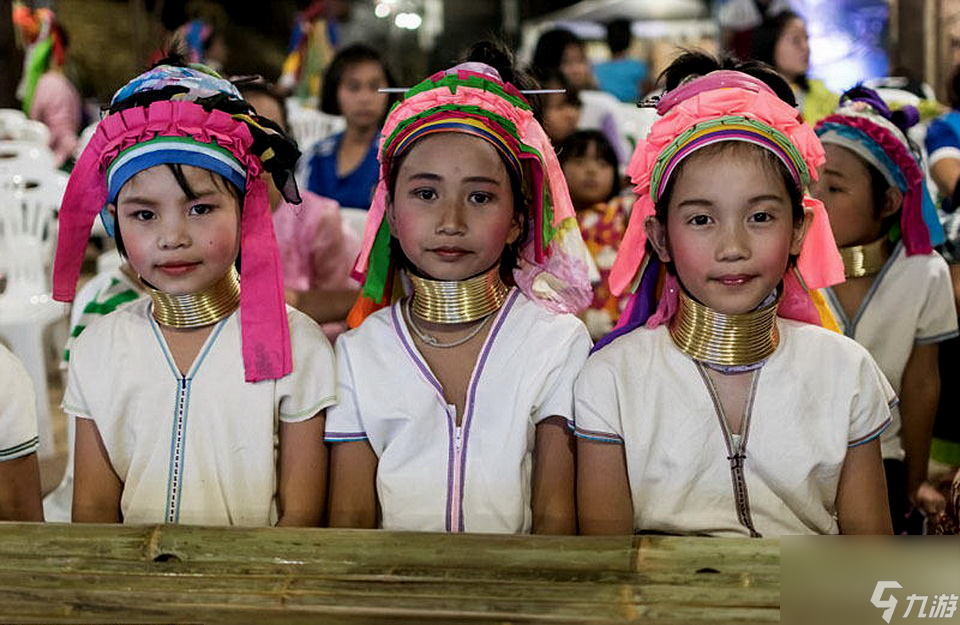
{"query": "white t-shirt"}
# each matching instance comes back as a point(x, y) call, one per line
point(817, 395)
point(201, 448)
point(909, 303)
point(431, 474)
point(18, 409)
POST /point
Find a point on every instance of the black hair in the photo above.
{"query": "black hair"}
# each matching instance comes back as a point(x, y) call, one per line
point(579, 142)
point(549, 51)
point(554, 79)
point(177, 170)
point(763, 46)
point(619, 35)
point(955, 88)
point(692, 64)
point(501, 60)
point(345, 59)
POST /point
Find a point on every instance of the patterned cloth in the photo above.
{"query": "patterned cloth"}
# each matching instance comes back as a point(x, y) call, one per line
point(602, 227)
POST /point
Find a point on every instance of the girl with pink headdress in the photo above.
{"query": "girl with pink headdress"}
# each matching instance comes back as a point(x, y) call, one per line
point(720, 406)
point(455, 389)
point(202, 403)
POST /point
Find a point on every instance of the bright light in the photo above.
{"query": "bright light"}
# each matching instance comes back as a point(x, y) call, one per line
point(410, 21)
point(382, 10)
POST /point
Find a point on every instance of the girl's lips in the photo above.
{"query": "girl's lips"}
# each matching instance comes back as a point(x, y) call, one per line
point(449, 252)
point(734, 279)
point(177, 269)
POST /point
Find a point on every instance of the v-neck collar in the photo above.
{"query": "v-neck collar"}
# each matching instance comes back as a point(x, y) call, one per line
point(201, 355)
point(850, 325)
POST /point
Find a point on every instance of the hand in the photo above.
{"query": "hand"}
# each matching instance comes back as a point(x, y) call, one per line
point(928, 499)
point(292, 297)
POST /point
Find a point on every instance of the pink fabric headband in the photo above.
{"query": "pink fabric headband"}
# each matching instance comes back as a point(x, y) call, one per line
point(264, 330)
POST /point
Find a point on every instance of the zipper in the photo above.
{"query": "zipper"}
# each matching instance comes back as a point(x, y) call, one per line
point(455, 497)
point(176, 455)
point(736, 445)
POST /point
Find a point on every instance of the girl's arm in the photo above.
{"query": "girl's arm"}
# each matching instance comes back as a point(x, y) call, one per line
point(353, 492)
point(603, 489)
point(302, 481)
point(96, 487)
point(945, 173)
point(862, 506)
point(554, 472)
point(919, 395)
point(20, 498)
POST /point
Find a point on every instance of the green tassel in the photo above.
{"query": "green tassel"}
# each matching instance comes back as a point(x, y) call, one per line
point(378, 267)
point(36, 66)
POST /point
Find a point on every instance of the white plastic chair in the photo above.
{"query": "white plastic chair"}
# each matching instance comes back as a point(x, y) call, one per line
point(355, 219)
point(16, 155)
point(28, 230)
point(34, 132)
point(10, 122)
point(309, 126)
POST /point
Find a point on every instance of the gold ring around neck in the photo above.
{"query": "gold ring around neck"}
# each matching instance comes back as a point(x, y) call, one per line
point(865, 260)
point(196, 310)
point(715, 338)
point(458, 301)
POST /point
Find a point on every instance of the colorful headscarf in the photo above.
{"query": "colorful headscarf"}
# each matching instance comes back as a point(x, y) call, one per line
point(192, 116)
point(722, 106)
point(863, 124)
point(554, 265)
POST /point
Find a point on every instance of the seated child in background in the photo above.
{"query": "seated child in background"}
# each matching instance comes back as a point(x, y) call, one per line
point(454, 401)
point(731, 412)
point(202, 403)
point(317, 247)
point(590, 167)
point(560, 111)
point(19, 471)
point(897, 300)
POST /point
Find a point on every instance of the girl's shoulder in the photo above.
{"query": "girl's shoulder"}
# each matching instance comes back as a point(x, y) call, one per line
point(810, 342)
point(637, 350)
point(534, 320)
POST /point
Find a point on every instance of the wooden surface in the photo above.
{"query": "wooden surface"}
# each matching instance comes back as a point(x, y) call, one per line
point(58, 573)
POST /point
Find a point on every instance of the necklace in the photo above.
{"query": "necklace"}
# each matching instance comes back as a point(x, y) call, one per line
point(864, 260)
point(433, 341)
point(458, 301)
point(195, 310)
point(725, 341)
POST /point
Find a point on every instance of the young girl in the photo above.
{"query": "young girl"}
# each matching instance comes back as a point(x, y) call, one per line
point(19, 471)
point(343, 167)
point(897, 300)
point(590, 167)
point(717, 417)
point(202, 403)
point(454, 401)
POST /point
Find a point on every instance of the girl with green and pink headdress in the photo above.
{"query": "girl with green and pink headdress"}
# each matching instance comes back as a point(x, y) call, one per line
point(202, 403)
point(455, 388)
point(723, 404)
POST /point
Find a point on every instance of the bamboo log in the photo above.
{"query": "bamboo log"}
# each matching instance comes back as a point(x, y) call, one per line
point(89, 573)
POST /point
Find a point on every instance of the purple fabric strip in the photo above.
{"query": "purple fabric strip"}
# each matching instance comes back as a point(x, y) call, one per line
point(640, 309)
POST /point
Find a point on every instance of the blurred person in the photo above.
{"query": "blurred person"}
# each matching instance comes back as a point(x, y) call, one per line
point(344, 167)
point(19, 471)
point(782, 43)
point(560, 112)
point(622, 76)
point(563, 51)
point(739, 18)
point(48, 95)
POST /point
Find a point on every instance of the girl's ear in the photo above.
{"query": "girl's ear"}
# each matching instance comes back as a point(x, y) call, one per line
point(800, 231)
point(515, 229)
point(657, 235)
point(389, 214)
point(892, 202)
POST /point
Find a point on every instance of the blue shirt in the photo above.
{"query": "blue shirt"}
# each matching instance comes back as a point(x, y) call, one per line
point(355, 190)
point(621, 77)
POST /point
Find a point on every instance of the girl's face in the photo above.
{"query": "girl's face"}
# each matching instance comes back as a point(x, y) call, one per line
point(361, 104)
point(845, 189)
point(177, 244)
point(575, 67)
point(453, 215)
point(589, 177)
point(791, 55)
point(560, 116)
point(729, 230)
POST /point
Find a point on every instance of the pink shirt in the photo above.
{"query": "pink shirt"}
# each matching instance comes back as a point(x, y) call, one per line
point(57, 103)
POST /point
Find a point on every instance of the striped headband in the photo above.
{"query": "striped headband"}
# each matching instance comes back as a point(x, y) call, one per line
point(727, 128)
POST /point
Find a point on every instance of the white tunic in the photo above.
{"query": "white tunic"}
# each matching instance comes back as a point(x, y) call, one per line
point(909, 303)
point(818, 394)
point(433, 475)
point(18, 409)
point(200, 448)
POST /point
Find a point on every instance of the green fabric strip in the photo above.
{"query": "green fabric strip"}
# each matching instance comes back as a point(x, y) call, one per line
point(947, 452)
point(378, 267)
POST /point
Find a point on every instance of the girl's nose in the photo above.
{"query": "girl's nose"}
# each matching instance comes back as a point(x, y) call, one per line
point(451, 218)
point(733, 243)
point(174, 234)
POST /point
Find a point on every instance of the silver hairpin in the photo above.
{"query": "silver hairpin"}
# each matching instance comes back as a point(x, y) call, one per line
point(523, 91)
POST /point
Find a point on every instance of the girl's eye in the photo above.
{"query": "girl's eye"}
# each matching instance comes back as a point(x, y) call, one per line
point(425, 195)
point(142, 215)
point(480, 198)
point(761, 217)
point(832, 189)
point(699, 220)
point(201, 209)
